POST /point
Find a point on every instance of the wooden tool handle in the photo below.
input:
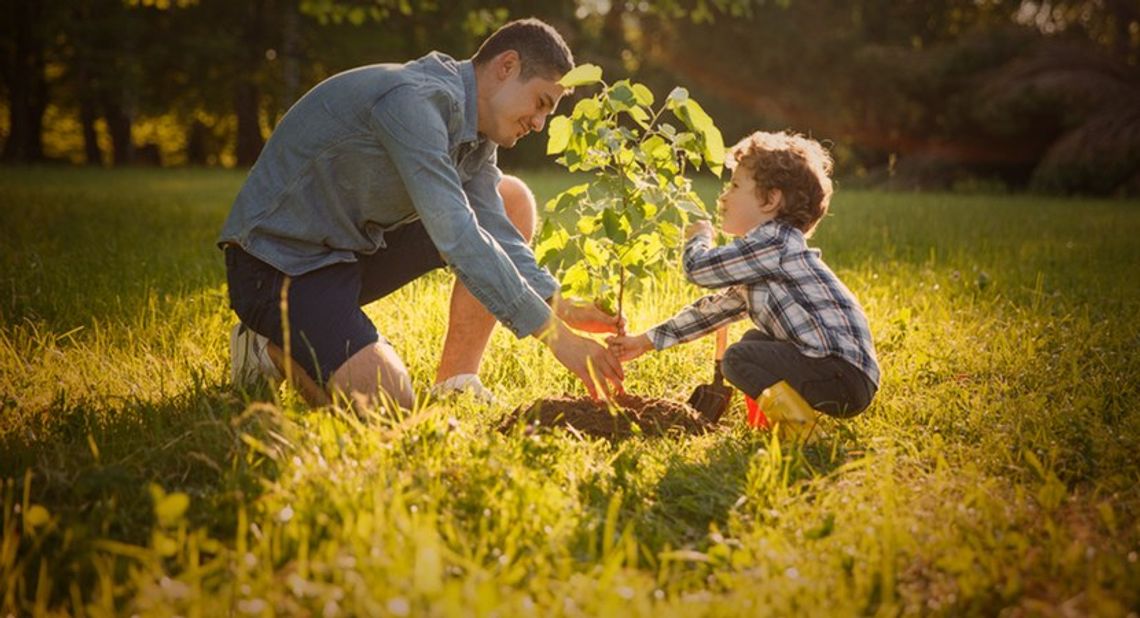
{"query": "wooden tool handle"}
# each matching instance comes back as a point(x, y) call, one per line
point(721, 342)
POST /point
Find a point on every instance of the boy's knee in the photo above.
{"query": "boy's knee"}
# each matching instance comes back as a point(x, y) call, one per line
point(519, 202)
point(732, 366)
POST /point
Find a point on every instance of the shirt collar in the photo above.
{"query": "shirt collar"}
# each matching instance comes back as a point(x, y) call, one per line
point(777, 228)
point(470, 130)
point(769, 227)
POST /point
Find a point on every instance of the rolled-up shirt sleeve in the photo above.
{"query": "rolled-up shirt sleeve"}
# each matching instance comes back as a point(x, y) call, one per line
point(482, 191)
point(745, 260)
point(412, 128)
point(703, 316)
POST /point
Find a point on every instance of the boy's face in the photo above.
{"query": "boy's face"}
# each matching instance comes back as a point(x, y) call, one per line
point(743, 207)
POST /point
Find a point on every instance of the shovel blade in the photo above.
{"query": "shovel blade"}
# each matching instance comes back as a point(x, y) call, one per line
point(710, 401)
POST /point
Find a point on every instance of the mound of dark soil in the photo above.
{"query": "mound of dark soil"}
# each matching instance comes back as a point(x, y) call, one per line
point(654, 417)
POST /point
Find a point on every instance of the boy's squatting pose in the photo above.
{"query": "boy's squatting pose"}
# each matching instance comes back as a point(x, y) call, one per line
point(810, 330)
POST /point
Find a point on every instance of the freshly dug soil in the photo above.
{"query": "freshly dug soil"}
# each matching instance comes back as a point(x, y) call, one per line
point(654, 417)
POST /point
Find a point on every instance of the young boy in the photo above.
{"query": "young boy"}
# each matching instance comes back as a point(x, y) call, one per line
point(811, 332)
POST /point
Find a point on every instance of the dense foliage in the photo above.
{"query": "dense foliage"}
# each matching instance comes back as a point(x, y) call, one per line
point(624, 225)
point(947, 94)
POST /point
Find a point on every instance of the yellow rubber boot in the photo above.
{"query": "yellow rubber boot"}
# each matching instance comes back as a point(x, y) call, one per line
point(792, 416)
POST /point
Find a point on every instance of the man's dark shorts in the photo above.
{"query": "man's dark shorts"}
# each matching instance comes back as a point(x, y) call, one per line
point(326, 323)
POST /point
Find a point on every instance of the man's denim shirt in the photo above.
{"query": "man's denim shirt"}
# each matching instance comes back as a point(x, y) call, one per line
point(377, 147)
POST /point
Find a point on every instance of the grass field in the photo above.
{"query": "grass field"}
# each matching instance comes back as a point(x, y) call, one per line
point(996, 472)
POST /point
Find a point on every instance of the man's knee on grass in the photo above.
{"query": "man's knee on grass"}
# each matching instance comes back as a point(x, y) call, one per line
point(519, 202)
point(374, 372)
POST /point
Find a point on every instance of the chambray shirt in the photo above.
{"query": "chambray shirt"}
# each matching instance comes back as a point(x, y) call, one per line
point(774, 278)
point(374, 148)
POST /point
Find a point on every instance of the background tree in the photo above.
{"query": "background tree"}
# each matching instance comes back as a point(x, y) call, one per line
point(939, 94)
point(24, 35)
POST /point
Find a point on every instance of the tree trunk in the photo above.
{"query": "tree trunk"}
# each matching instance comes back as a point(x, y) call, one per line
point(290, 60)
point(87, 117)
point(196, 146)
point(27, 86)
point(119, 126)
point(88, 114)
point(249, 140)
point(247, 96)
point(1124, 14)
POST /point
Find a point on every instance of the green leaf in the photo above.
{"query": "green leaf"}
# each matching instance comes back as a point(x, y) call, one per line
point(607, 303)
point(634, 256)
point(172, 507)
point(640, 116)
point(558, 135)
point(654, 247)
point(678, 95)
point(588, 108)
point(572, 160)
point(714, 151)
point(621, 96)
point(646, 252)
point(617, 228)
point(625, 156)
point(587, 225)
point(689, 144)
point(711, 143)
point(670, 234)
point(576, 280)
point(594, 253)
point(656, 148)
point(701, 121)
point(552, 244)
point(581, 75)
point(692, 209)
point(648, 209)
point(644, 95)
point(566, 200)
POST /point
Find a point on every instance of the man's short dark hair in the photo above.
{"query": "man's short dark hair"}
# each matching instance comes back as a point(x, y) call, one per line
point(540, 48)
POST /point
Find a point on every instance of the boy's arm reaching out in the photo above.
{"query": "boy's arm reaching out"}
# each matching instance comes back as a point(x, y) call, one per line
point(699, 318)
point(745, 260)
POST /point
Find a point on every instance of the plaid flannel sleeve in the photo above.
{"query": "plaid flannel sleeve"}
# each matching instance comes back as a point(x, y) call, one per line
point(745, 260)
point(703, 316)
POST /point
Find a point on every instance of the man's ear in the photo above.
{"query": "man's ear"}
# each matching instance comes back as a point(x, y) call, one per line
point(507, 64)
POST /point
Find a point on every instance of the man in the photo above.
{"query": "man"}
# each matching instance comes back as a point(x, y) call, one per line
point(379, 175)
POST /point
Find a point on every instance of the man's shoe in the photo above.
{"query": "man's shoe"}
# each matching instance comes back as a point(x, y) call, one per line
point(249, 359)
point(464, 384)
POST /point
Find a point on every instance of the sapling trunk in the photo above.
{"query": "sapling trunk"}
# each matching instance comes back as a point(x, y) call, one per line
point(621, 298)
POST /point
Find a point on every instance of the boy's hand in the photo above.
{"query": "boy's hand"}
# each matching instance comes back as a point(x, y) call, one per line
point(698, 227)
point(629, 347)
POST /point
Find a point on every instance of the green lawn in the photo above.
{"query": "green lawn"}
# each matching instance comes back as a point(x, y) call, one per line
point(996, 470)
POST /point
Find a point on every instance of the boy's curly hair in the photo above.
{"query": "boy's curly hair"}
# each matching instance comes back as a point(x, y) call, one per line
point(798, 166)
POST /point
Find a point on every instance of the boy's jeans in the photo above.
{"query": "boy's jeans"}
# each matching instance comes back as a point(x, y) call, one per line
point(830, 384)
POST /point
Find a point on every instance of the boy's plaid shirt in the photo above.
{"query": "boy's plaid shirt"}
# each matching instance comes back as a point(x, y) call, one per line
point(784, 286)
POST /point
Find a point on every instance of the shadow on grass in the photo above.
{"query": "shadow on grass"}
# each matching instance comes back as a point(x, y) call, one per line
point(92, 465)
point(693, 495)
